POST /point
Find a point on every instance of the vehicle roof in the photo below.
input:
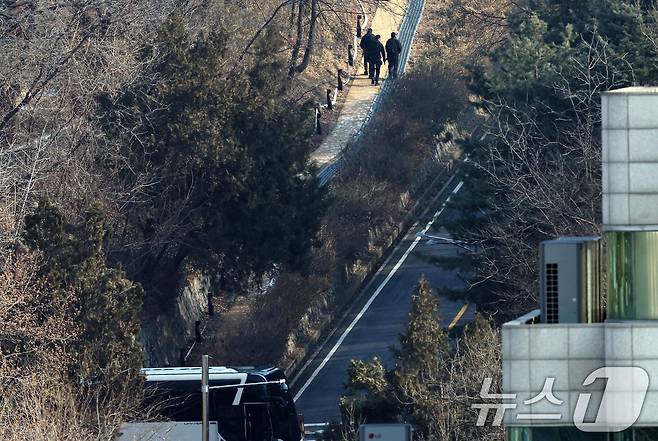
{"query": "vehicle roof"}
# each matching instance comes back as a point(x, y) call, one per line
point(194, 372)
point(165, 431)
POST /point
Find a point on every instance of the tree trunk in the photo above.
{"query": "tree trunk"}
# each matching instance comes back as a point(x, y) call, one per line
point(298, 41)
point(310, 43)
point(291, 24)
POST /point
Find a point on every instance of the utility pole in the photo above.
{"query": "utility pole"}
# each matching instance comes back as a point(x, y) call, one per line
point(205, 392)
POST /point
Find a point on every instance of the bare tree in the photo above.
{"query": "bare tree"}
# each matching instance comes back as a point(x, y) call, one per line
point(541, 182)
point(56, 58)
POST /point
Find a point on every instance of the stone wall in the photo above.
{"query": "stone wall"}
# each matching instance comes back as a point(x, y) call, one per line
point(170, 331)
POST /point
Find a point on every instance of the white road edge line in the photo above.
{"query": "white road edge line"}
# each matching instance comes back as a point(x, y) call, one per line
point(381, 268)
point(373, 297)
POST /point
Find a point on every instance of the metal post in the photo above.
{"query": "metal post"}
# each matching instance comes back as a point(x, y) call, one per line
point(197, 331)
point(330, 106)
point(340, 79)
point(358, 26)
point(318, 127)
point(315, 121)
point(205, 392)
point(211, 306)
point(350, 55)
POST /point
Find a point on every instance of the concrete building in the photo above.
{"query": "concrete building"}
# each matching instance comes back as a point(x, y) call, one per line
point(599, 365)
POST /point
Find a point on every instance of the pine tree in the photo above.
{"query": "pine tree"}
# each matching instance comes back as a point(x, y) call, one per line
point(217, 160)
point(371, 394)
point(422, 359)
point(433, 382)
point(105, 304)
point(410, 391)
point(424, 345)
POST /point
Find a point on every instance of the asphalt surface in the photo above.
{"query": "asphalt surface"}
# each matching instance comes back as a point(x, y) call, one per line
point(376, 320)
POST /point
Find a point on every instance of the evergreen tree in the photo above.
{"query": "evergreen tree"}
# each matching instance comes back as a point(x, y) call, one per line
point(424, 344)
point(408, 392)
point(215, 163)
point(433, 382)
point(371, 394)
point(105, 304)
point(421, 358)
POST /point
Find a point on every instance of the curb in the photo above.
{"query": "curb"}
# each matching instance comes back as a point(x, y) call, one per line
point(329, 326)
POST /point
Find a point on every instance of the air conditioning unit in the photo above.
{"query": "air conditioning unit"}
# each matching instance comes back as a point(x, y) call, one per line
point(570, 280)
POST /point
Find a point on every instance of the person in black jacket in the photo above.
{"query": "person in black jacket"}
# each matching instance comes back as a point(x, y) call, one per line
point(393, 50)
point(377, 57)
point(367, 41)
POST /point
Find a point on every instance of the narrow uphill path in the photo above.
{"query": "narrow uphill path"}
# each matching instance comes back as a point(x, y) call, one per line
point(363, 100)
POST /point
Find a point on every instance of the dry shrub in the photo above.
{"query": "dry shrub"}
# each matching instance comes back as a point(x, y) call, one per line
point(40, 409)
point(46, 408)
point(37, 401)
point(34, 403)
point(457, 32)
point(404, 133)
point(477, 356)
point(372, 196)
point(361, 207)
point(257, 330)
point(35, 330)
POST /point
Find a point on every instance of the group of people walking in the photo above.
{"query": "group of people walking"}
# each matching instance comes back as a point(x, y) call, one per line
point(375, 54)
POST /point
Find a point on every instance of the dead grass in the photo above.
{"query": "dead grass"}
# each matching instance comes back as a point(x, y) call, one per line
point(45, 408)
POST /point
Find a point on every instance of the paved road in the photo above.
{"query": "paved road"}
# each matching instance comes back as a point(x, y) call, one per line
point(376, 320)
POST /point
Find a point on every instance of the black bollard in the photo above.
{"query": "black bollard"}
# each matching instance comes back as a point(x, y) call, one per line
point(197, 331)
point(318, 127)
point(211, 306)
point(350, 55)
point(330, 106)
point(358, 26)
point(340, 80)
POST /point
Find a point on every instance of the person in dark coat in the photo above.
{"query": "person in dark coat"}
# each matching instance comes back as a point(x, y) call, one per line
point(393, 51)
point(377, 57)
point(367, 41)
